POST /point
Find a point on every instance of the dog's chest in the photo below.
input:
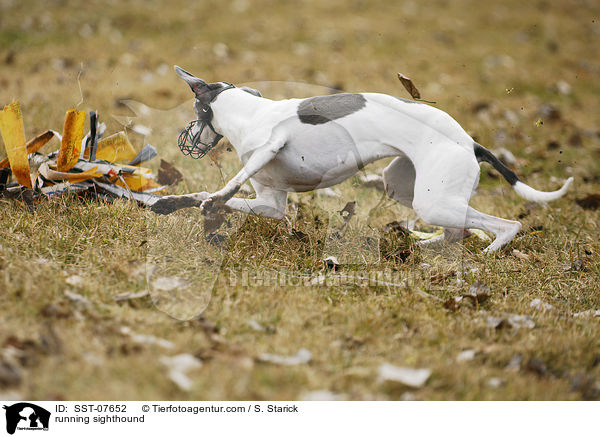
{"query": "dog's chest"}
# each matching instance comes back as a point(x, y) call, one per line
point(315, 156)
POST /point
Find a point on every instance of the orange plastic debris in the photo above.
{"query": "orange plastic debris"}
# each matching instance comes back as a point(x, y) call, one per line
point(13, 134)
point(137, 182)
point(70, 148)
point(54, 175)
point(115, 148)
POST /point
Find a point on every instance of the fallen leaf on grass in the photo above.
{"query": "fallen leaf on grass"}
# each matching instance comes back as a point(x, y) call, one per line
point(131, 296)
point(521, 255)
point(514, 365)
point(168, 174)
point(50, 343)
point(477, 294)
point(537, 366)
point(332, 263)
point(372, 181)
point(255, 326)
point(302, 357)
point(54, 311)
point(10, 374)
point(80, 301)
point(589, 202)
point(407, 376)
point(178, 366)
point(349, 208)
point(323, 395)
point(513, 321)
point(466, 355)
point(146, 339)
point(540, 305)
point(495, 382)
point(587, 313)
point(579, 266)
point(168, 283)
point(75, 280)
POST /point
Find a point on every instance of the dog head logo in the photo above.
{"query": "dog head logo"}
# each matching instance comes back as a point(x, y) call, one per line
point(26, 416)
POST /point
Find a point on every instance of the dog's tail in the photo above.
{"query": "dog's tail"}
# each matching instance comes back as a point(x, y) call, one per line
point(523, 190)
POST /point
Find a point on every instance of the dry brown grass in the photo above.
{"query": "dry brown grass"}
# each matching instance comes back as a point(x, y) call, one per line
point(509, 55)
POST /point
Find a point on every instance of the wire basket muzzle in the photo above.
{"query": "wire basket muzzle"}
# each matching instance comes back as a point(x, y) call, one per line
point(190, 139)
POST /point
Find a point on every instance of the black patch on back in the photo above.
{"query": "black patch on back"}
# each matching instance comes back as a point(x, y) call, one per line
point(483, 154)
point(319, 110)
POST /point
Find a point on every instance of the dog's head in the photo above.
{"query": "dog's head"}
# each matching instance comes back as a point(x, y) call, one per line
point(200, 136)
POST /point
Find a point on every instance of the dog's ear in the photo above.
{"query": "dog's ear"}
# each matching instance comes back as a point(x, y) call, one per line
point(197, 85)
point(251, 91)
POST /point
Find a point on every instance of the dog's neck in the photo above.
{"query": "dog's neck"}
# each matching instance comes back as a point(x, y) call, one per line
point(233, 111)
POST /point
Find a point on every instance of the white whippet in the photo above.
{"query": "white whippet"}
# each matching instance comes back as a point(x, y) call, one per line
point(306, 144)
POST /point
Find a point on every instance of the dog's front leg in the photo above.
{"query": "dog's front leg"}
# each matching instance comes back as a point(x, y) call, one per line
point(169, 204)
point(260, 157)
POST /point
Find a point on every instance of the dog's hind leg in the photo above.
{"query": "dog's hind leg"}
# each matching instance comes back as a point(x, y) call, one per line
point(399, 183)
point(442, 193)
point(399, 180)
point(268, 203)
point(505, 230)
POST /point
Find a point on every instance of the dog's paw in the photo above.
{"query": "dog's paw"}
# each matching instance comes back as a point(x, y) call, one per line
point(169, 204)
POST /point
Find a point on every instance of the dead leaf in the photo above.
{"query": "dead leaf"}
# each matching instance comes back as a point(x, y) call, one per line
point(466, 355)
point(214, 218)
point(409, 86)
point(50, 343)
point(10, 374)
point(521, 255)
point(372, 181)
point(146, 339)
point(537, 366)
point(589, 202)
point(495, 382)
point(178, 366)
point(332, 263)
point(349, 208)
point(256, 326)
point(478, 293)
point(168, 283)
point(131, 296)
point(414, 378)
point(299, 235)
point(323, 395)
point(579, 266)
point(168, 174)
point(80, 301)
point(510, 321)
point(302, 357)
point(75, 280)
point(514, 365)
point(540, 305)
point(587, 313)
point(54, 311)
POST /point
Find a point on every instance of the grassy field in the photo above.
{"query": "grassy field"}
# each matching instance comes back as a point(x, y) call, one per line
point(517, 75)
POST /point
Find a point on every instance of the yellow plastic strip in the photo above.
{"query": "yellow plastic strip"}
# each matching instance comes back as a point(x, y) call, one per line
point(13, 134)
point(115, 148)
point(33, 145)
point(70, 147)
